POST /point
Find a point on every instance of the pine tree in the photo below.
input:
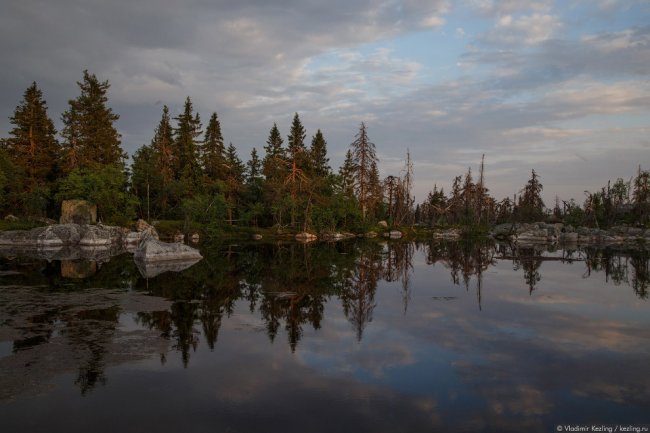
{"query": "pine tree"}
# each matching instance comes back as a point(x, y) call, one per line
point(91, 139)
point(32, 145)
point(188, 129)
point(366, 174)
point(213, 153)
point(318, 153)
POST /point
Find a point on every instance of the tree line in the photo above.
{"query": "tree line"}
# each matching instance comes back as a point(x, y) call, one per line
point(187, 172)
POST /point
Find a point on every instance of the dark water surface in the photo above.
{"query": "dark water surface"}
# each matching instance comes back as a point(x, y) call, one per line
point(348, 337)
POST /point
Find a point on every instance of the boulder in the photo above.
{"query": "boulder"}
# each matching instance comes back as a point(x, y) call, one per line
point(78, 212)
point(179, 238)
point(195, 238)
point(451, 234)
point(153, 269)
point(102, 235)
point(152, 250)
point(50, 236)
point(141, 226)
point(10, 217)
point(306, 237)
point(393, 234)
point(382, 224)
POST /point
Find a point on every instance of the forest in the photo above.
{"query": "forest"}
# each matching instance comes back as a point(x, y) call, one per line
point(189, 175)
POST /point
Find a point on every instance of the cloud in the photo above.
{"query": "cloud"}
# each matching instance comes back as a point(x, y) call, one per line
point(529, 29)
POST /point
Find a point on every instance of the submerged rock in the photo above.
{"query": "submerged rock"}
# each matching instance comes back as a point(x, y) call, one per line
point(152, 250)
point(153, 269)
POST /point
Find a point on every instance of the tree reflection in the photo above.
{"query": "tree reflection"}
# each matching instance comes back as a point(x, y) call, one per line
point(287, 286)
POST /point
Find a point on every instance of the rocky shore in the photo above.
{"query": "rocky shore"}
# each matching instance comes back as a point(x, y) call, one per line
point(540, 232)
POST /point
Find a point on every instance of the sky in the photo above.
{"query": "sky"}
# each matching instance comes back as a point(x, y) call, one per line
point(562, 87)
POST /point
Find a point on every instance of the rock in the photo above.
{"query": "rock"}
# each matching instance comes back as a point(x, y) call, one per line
point(257, 237)
point(370, 235)
point(306, 237)
point(10, 217)
point(102, 235)
point(383, 224)
point(78, 212)
point(451, 234)
point(153, 269)
point(393, 234)
point(141, 226)
point(179, 238)
point(152, 250)
point(195, 238)
point(50, 236)
point(503, 231)
point(569, 237)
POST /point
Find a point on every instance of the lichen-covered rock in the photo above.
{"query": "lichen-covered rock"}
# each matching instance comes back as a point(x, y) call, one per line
point(78, 212)
point(102, 235)
point(50, 236)
point(152, 250)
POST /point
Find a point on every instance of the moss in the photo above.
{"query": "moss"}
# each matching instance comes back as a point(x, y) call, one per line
point(6, 225)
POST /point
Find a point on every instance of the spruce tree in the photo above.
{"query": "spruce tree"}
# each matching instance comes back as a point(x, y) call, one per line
point(213, 152)
point(33, 146)
point(366, 173)
point(91, 139)
point(318, 153)
point(188, 129)
point(162, 145)
point(234, 180)
point(253, 168)
point(347, 175)
point(274, 168)
point(300, 158)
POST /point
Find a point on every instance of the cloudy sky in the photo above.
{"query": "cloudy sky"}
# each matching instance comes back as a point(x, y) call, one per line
point(559, 86)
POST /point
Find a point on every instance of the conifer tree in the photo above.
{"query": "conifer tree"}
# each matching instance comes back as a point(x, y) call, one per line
point(213, 152)
point(33, 146)
point(274, 168)
point(188, 129)
point(162, 145)
point(366, 174)
point(298, 153)
point(318, 153)
point(234, 180)
point(253, 168)
point(91, 139)
point(347, 175)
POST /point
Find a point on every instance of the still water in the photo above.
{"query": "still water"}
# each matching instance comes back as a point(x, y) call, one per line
point(347, 337)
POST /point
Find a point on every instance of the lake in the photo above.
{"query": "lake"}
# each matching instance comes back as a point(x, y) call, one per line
point(356, 336)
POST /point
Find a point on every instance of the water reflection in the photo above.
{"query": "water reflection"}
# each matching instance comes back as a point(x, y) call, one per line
point(74, 313)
